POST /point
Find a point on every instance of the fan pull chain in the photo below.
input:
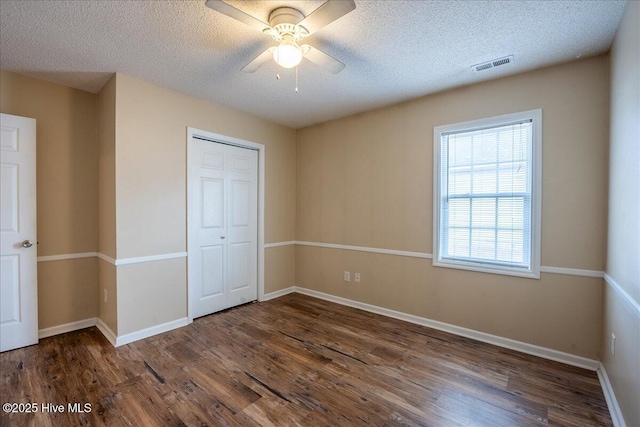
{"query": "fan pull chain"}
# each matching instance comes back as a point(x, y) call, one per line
point(296, 79)
point(277, 76)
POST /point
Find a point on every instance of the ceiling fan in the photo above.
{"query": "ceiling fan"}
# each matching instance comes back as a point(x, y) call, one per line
point(288, 27)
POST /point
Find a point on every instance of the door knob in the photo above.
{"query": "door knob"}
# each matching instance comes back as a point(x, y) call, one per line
point(27, 244)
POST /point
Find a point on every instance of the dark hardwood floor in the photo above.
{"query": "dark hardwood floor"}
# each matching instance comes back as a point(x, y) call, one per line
point(296, 361)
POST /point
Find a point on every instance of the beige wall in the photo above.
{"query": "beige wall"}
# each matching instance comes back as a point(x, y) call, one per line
point(67, 291)
point(150, 166)
point(623, 258)
point(623, 262)
point(66, 160)
point(151, 294)
point(107, 310)
point(279, 270)
point(107, 169)
point(67, 191)
point(623, 369)
point(366, 180)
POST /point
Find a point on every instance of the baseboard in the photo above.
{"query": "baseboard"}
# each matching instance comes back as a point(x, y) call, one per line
point(149, 332)
point(280, 293)
point(546, 353)
point(67, 327)
point(610, 397)
point(106, 331)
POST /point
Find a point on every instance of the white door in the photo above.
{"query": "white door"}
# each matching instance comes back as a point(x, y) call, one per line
point(18, 256)
point(223, 226)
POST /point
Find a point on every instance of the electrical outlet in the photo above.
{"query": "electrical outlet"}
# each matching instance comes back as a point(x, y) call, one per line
point(105, 295)
point(347, 276)
point(357, 278)
point(613, 344)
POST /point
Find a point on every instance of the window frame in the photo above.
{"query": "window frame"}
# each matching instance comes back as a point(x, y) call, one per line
point(535, 116)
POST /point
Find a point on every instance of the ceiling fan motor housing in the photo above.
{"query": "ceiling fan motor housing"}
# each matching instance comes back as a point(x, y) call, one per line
point(285, 21)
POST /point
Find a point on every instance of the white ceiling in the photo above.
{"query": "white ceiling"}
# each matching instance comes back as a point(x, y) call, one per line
point(394, 50)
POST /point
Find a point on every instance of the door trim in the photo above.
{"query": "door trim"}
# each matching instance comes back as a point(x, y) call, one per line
point(194, 133)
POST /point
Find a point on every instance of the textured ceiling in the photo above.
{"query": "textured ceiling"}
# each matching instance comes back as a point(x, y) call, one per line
point(394, 50)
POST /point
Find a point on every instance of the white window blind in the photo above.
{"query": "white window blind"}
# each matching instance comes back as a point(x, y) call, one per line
point(486, 196)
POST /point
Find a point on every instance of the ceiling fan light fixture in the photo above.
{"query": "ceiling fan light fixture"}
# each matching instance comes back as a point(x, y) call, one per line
point(288, 54)
point(288, 27)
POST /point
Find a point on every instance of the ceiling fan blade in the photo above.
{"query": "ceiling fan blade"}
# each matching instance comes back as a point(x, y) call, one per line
point(259, 61)
point(322, 60)
point(326, 14)
point(227, 9)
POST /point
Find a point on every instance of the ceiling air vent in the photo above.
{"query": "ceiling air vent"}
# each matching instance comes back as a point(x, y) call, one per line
point(493, 63)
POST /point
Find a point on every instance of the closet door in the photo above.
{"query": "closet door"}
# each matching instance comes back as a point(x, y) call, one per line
point(223, 231)
point(242, 226)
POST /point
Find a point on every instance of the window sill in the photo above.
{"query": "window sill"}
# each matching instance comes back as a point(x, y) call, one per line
point(488, 268)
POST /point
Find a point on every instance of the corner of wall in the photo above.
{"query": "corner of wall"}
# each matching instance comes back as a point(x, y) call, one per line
point(621, 304)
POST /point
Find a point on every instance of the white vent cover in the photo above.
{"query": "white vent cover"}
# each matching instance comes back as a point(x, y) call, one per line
point(492, 64)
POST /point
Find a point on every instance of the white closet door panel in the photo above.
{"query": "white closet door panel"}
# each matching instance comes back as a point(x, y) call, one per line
point(212, 262)
point(223, 215)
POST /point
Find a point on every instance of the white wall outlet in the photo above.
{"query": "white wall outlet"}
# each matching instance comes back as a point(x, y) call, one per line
point(357, 278)
point(613, 344)
point(105, 295)
point(347, 276)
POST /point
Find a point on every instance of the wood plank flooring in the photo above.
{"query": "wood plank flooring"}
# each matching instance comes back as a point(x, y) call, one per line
point(296, 361)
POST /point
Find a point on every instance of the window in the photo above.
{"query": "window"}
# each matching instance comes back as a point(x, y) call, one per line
point(487, 180)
